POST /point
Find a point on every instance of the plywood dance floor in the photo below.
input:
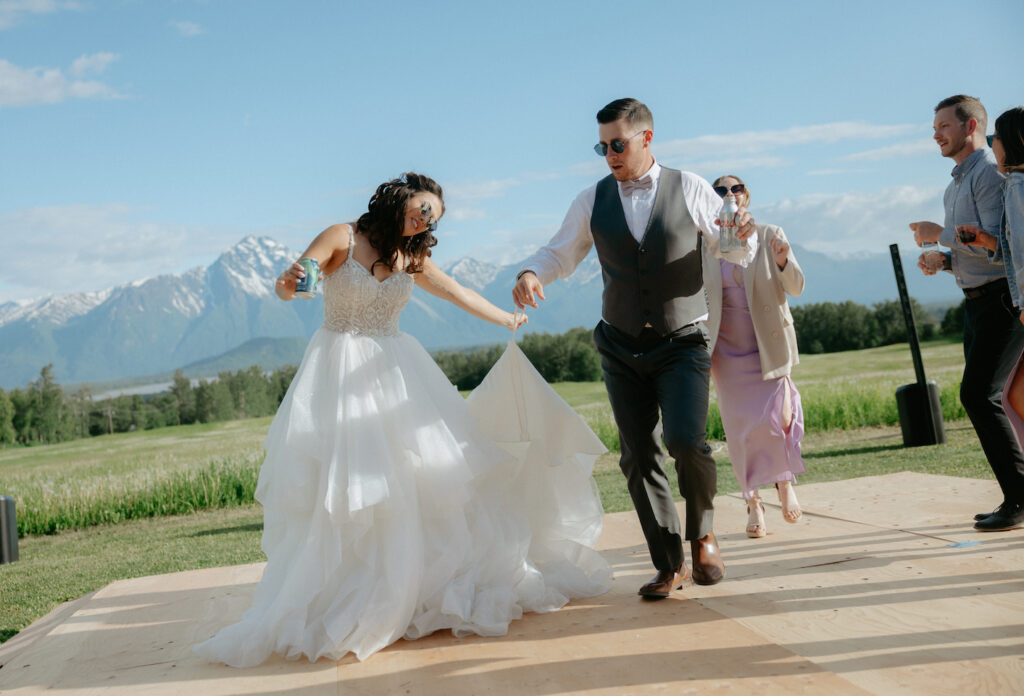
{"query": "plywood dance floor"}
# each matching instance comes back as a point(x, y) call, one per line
point(882, 588)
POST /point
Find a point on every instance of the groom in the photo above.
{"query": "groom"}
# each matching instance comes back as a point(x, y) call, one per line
point(646, 222)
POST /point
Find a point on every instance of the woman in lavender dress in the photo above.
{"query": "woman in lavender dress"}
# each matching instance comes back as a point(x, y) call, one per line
point(753, 350)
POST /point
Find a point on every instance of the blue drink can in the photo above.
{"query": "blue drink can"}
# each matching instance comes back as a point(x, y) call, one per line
point(306, 287)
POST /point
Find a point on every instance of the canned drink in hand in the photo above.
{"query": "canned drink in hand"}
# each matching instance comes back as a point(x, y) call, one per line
point(306, 287)
point(727, 240)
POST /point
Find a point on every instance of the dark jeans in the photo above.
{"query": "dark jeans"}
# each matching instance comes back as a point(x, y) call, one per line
point(645, 375)
point(993, 340)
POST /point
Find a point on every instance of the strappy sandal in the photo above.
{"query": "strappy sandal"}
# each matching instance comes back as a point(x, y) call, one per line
point(756, 528)
point(791, 511)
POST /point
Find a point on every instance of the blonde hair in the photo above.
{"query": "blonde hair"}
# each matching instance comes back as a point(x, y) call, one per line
point(746, 189)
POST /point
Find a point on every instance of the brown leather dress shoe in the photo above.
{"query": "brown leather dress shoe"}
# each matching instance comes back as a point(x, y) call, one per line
point(666, 582)
point(707, 562)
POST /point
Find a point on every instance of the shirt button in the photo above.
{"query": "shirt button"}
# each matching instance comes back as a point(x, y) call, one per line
point(766, 308)
point(775, 334)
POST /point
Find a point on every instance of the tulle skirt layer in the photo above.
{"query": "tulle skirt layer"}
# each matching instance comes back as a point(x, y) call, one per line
point(391, 509)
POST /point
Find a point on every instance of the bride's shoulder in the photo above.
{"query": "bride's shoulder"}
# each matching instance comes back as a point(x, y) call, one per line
point(340, 234)
point(338, 241)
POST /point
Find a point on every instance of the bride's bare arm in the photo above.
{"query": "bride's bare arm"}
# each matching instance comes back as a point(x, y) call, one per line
point(330, 249)
point(440, 284)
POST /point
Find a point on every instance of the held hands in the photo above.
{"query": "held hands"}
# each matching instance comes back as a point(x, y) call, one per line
point(285, 285)
point(514, 320)
point(780, 247)
point(925, 232)
point(972, 235)
point(527, 290)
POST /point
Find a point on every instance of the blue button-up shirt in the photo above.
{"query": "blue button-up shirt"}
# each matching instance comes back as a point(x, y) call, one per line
point(974, 197)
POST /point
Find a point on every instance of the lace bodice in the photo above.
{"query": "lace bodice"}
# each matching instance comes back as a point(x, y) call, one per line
point(356, 302)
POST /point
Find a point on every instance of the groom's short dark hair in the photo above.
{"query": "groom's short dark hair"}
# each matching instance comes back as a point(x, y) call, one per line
point(636, 112)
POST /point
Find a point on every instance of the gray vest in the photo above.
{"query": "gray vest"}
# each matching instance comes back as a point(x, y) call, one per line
point(659, 280)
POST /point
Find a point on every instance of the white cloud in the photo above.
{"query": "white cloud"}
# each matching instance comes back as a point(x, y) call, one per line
point(710, 155)
point(187, 29)
point(714, 167)
point(27, 86)
point(749, 142)
point(908, 149)
point(478, 190)
point(92, 64)
point(851, 223)
point(464, 213)
point(94, 247)
point(12, 11)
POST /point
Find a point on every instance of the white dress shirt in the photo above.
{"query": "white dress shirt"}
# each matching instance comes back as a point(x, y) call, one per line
point(573, 241)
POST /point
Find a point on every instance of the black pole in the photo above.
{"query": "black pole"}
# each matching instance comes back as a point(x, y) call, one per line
point(908, 314)
point(919, 406)
point(8, 530)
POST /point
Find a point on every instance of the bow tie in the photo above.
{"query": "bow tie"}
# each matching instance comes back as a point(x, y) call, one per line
point(644, 183)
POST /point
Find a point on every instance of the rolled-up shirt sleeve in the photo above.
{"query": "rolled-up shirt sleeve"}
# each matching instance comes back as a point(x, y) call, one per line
point(570, 245)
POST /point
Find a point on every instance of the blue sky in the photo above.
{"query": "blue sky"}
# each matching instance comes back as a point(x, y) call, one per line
point(140, 138)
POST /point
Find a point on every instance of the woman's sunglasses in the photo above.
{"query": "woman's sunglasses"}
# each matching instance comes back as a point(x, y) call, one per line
point(427, 217)
point(616, 145)
point(990, 138)
point(734, 189)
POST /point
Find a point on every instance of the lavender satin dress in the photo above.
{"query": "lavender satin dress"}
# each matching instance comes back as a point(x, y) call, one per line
point(762, 453)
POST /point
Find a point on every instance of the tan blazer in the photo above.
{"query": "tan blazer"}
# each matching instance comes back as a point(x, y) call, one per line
point(766, 288)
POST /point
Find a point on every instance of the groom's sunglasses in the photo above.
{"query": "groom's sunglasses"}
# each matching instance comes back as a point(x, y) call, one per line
point(734, 189)
point(617, 146)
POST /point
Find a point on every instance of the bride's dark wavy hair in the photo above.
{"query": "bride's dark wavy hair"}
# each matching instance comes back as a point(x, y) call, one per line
point(384, 221)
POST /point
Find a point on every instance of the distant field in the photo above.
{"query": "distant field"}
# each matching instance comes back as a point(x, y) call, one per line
point(143, 481)
point(182, 469)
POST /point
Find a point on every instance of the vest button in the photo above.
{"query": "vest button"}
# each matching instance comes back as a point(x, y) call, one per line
point(643, 250)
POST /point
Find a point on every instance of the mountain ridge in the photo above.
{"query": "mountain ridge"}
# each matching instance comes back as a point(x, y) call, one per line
point(158, 324)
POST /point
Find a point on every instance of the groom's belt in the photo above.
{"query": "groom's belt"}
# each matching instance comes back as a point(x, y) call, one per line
point(649, 338)
point(997, 285)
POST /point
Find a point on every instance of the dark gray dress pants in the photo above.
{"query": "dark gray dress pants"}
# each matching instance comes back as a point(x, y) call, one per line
point(648, 375)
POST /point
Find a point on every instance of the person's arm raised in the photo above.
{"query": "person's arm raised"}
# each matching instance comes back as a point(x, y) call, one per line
point(330, 249)
point(440, 284)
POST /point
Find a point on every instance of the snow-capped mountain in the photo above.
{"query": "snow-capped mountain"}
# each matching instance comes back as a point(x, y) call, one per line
point(153, 325)
point(162, 323)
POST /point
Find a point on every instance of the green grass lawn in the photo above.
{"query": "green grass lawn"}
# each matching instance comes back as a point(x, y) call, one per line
point(58, 567)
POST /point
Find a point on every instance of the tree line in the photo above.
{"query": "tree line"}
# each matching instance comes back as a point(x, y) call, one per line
point(43, 412)
point(829, 327)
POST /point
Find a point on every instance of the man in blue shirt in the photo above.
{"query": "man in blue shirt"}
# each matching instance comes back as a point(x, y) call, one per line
point(993, 334)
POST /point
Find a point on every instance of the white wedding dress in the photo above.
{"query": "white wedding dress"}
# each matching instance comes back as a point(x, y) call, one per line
point(393, 509)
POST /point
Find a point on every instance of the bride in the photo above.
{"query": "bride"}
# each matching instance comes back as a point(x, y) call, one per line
point(391, 510)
